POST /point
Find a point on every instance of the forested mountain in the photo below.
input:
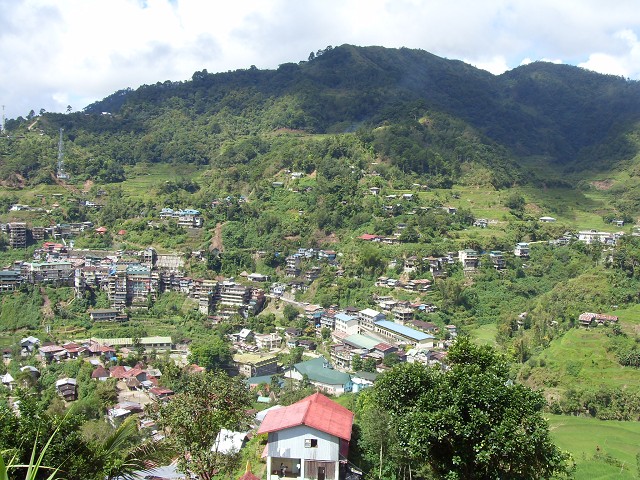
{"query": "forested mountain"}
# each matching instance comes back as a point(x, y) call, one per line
point(423, 113)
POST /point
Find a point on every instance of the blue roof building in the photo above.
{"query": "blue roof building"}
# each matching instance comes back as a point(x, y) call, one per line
point(402, 334)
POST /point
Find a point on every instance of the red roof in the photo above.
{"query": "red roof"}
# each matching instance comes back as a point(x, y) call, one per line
point(134, 372)
point(383, 347)
point(158, 391)
point(315, 411)
point(100, 372)
point(118, 372)
point(368, 236)
point(51, 349)
point(101, 229)
point(122, 232)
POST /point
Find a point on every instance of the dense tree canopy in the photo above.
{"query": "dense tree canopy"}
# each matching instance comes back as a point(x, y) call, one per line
point(470, 421)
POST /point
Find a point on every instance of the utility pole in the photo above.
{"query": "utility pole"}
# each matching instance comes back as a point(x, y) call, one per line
point(3, 120)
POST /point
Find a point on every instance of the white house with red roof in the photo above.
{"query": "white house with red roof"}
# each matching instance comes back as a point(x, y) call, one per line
point(308, 439)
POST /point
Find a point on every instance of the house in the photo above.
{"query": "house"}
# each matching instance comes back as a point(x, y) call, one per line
point(469, 259)
point(33, 371)
point(481, 222)
point(105, 315)
point(307, 439)
point(245, 335)
point(67, 388)
point(267, 341)
point(8, 381)
point(586, 319)
point(452, 330)
point(257, 277)
point(521, 250)
point(29, 344)
point(122, 410)
point(100, 373)
point(497, 259)
point(51, 352)
point(321, 374)
point(547, 219)
point(362, 380)
point(255, 364)
point(159, 393)
point(367, 237)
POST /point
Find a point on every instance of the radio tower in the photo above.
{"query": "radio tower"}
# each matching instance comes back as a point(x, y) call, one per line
point(61, 174)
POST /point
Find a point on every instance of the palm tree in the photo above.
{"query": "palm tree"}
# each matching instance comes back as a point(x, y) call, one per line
point(121, 453)
point(34, 466)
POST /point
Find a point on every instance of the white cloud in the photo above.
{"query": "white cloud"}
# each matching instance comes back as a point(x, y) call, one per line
point(624, 61)
point(56, 52)
point(495, 65)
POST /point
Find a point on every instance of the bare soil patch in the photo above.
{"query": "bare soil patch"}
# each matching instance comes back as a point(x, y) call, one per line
point(602, 184)
point(216, 239)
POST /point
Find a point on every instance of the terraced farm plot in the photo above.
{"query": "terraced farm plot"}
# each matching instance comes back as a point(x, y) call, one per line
point(602, 449)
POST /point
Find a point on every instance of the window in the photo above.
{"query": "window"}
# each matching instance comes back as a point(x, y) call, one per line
point(311, 443)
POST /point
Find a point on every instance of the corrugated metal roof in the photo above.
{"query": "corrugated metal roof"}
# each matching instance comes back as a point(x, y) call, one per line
point(403, 330)
point(318, 370)
point(361, 341)
point(315, 411)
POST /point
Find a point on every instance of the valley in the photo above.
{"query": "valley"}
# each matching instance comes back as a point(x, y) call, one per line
point(332, 213)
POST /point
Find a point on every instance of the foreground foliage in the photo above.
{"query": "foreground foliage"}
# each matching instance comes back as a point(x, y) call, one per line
point(469, 422)
point(195, 416)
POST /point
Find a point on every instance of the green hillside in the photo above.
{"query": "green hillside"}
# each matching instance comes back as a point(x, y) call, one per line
point(601, 449)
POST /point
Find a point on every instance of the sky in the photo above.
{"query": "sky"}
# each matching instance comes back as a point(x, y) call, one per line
point(59, 53)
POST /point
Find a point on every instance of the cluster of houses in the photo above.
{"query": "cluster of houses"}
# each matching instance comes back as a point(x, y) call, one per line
point(131, 280)
point(295, 261)
point(589, 319)
point(187, 218)
point(20, 234)
point(91, 348)
point(364, 334)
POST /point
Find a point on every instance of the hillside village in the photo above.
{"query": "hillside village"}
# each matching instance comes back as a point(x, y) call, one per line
point(330, 284)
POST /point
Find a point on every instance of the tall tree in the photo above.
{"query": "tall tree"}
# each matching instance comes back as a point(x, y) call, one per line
point(212, 354)
point(209, 403)
point(471, 421)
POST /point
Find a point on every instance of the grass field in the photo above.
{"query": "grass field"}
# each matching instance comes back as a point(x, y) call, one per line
point(142, 181)
point(578, 359)
point(615, 443)
point(484, 334)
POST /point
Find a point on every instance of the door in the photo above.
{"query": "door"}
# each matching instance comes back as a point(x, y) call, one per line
point(320, 473)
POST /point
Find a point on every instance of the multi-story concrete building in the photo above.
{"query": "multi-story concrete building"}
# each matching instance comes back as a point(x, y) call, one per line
point(17, 235)
point(10, 280)
point(402, 315)
point(469, 259)
point(59, 273)
point(267, 341)
point(367, 319)
point(255, 365)
point(521, 250)
point(345, 323)
point(497, 260)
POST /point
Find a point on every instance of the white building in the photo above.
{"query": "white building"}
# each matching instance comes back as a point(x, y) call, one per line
point(346, 323)
point(307, 439)
point(367, 318)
